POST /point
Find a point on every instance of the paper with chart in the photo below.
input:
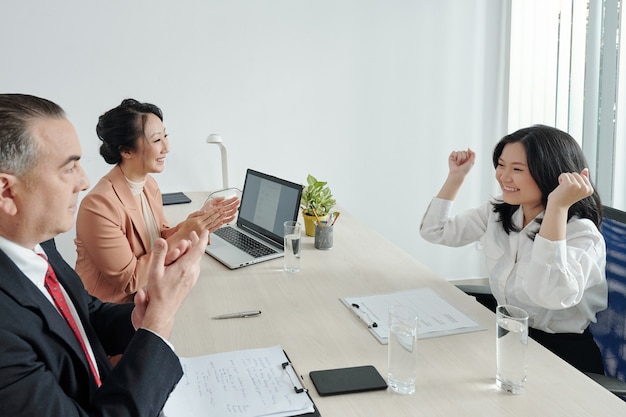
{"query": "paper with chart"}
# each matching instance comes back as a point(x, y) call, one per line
point(244, 383)
point(437, 317)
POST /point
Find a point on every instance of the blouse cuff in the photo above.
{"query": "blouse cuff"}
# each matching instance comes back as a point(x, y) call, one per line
point(550, 252)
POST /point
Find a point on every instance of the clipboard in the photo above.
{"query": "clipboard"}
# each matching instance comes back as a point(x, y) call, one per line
point(316, 412)
point(260, 372)
point(436, 317)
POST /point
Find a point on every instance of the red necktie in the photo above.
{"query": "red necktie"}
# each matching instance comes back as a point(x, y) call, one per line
point(54, 288)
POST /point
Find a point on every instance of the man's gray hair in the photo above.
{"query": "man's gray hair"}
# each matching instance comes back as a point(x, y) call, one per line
point(18, 150)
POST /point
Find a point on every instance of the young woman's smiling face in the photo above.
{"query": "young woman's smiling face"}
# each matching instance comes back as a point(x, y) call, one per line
point(517, 184)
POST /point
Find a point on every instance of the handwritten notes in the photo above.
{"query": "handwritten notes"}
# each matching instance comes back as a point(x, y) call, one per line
point(244, 383)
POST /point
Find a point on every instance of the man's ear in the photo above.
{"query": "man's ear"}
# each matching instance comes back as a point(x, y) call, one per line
point(7, 198)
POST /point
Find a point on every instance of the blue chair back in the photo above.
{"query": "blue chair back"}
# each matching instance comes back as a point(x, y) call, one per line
point(610, 330)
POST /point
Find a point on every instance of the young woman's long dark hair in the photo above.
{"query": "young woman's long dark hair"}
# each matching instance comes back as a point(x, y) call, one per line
point(549, 152)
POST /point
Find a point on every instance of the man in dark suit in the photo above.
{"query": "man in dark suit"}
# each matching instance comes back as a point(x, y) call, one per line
point(54, 337)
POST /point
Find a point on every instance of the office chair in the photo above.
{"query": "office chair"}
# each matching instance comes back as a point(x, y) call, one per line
point(609, 331)
point(482, 294)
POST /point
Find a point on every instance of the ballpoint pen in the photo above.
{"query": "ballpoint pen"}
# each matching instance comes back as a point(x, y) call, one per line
point(241, 314)
point(363, 316)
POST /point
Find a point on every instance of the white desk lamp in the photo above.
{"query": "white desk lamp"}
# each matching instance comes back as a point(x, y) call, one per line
point(217, 140)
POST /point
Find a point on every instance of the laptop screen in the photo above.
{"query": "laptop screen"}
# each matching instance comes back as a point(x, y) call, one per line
point(266, 203)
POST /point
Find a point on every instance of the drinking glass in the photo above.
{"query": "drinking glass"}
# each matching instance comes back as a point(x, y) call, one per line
point(511, 343)
point(292, 246)
point(402, 349)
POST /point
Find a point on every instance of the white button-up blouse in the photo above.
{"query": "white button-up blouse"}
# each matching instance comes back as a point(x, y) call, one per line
point(561, 284)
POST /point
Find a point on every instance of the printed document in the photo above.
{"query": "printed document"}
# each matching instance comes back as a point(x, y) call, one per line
point(436, 316)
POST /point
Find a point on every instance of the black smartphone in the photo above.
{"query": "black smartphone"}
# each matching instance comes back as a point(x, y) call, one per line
point(347, 380)
point(175, 198)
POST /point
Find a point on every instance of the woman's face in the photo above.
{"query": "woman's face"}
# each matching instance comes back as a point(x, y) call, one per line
point(518, 186)
point(149, 155)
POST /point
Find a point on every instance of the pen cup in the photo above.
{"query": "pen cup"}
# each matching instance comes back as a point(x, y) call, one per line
point(323, 236)
point(402, 349)
point(292, 231)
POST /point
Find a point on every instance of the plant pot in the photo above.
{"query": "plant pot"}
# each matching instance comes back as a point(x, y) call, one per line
point(309, 223)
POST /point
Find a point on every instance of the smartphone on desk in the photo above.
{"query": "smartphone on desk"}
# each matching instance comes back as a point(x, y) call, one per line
point(347, 380)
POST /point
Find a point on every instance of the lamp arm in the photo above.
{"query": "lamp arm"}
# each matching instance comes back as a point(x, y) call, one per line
point(224, 156)
point(216, 139)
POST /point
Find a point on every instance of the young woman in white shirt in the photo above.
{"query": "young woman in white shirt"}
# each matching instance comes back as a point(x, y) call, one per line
point(543, 250)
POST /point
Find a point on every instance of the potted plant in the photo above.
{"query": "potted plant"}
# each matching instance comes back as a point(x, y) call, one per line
point(316, 199)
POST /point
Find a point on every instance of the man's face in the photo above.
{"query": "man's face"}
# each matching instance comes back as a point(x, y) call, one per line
point(47, 197)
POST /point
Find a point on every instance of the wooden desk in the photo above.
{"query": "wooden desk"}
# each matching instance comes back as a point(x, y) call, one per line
point(302, 312)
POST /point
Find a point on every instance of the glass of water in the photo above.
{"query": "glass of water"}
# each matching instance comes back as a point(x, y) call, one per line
point(292, 246)
point(402, 349)
point(511, 342)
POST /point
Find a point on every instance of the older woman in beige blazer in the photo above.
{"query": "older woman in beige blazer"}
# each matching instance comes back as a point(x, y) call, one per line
point(120, 218)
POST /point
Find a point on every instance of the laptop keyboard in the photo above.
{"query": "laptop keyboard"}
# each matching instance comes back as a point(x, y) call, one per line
point(243, 242)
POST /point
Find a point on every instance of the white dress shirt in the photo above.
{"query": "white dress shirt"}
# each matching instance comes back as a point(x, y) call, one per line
point(561, 284)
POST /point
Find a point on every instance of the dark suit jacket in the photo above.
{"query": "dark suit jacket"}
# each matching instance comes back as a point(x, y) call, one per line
point(44, 372)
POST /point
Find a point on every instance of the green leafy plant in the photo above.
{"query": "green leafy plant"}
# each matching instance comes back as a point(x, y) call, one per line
point(316, 195)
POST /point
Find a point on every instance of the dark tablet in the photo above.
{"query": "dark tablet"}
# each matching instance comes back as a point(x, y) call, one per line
point(347, 380)
point(175, 198)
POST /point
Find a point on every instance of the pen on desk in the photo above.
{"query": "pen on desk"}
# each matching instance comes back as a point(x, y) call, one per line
point(363, 316)
point(241, 314)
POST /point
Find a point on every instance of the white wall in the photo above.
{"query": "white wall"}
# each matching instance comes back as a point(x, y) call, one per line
point(368, 95)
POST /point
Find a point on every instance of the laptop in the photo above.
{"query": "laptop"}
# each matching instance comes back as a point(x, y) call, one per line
point(267, 202)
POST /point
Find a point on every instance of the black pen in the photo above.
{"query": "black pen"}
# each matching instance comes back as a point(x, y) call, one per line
point(363, 316)
point(239, 315)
